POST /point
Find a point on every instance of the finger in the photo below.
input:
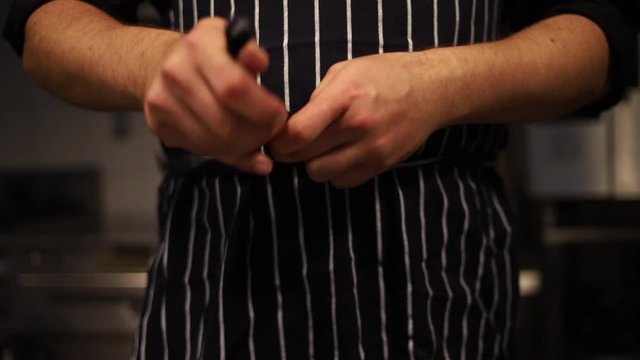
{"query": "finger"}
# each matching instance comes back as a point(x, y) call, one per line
point(331, 73)
point(329, 166)
point(237, 90)
point(305, 126)
point(254, 58)
point(355, 177)
point(174, 123)
point(319, 146)
point(331, 139)
point(234, 86)
point(178, 136)
point(191, 138)
point(257, 163)
point(185, 83)
point(219, 123)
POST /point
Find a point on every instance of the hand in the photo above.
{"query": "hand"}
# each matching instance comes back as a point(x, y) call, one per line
point(367, 115)
point(204, 101)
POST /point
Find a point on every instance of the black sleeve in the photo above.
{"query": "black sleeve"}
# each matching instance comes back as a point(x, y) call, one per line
point(618, 19)
point(20, 10)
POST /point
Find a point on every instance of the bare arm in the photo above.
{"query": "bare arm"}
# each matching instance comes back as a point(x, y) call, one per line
point(370, 113)
point(551, 68)
point(86, 57)
point(194, 94)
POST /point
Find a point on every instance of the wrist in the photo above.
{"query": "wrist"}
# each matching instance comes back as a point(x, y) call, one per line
point(544, 71)
point(444, 80)
point(481, 81)
point(159, 44)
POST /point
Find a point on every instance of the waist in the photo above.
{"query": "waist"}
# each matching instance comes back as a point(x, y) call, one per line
point(467, 144)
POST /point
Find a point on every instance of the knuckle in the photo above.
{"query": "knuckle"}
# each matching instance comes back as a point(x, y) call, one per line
point(353, 90)
point(299, 135)
point(171, 71)
point(335, 67)
point(361, 122)
point(232, 87)
point(356, 88)
point(349, 93)
point(192, 43)
point(156, 102)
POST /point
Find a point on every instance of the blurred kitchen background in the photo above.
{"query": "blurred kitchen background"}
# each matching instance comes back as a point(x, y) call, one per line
point(77, 225)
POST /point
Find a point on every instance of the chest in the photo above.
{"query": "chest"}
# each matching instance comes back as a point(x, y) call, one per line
point(425, 23)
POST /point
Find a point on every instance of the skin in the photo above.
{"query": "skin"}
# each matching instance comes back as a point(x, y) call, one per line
point(221, 110)
point(371, 113)
point(367, 115)
point(194, 95)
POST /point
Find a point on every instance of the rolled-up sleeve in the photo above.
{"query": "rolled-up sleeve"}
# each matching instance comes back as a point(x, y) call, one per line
point(21, 10)
point(620, 23)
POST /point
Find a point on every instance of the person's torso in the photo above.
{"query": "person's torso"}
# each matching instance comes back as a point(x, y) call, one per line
point(305, 37)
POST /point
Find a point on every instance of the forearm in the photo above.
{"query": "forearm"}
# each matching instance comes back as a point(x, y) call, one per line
point(551, 68)
point(86, 57)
